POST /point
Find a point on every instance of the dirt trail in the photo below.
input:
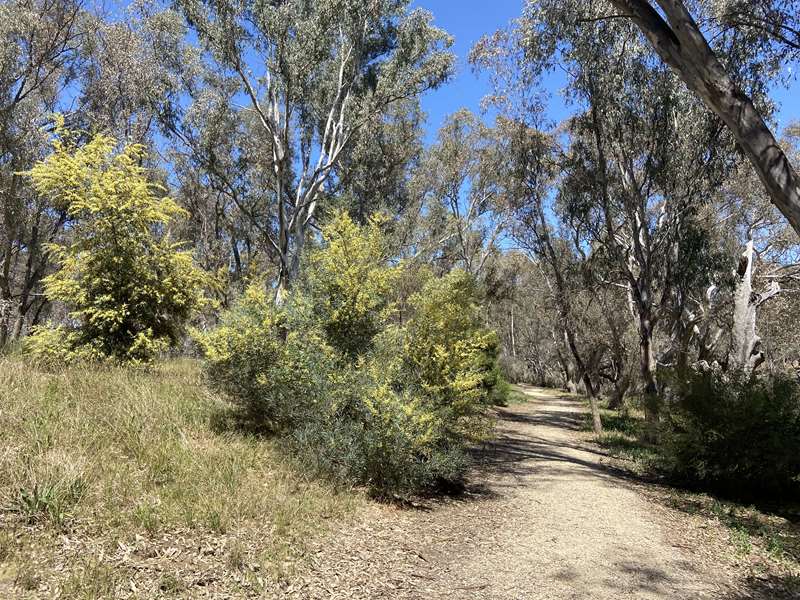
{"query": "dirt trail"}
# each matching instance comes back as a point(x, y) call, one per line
point(547, 519)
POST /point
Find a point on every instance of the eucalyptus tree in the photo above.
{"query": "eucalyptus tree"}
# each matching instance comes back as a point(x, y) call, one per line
point(311, 75)
point(751, 256)
point(40, 57)
point(643, 154)
point(522, 313)
point(224, 180)
point(647, 178)
point(726, 52)
point(767, 270)
point(225, 241)
point(375, 175)
point(131, 79)
point(458, 185)
point(534, 168)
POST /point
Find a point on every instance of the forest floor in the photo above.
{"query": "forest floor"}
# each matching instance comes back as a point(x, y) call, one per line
point(123, 484)
point(548, 514)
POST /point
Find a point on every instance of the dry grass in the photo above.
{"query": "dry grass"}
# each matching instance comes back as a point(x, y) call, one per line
point(763, 545)
point(516, 396)
point(123, 483)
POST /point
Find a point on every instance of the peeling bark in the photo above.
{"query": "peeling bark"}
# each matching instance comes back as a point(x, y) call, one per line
point(682, 46)
point(745, 352)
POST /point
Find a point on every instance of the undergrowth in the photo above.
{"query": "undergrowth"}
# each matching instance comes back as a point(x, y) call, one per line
point(622, 438)
point(516, 396)
point(764, 540)
point(112, 458)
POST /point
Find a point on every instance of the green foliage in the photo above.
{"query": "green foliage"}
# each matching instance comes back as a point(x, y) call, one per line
point(736, 434)
point(357, 397)
point(51, 498)
point(516, 396)
point(349, 283)
point(128, 286)
point(274, 374)
point(452, 356)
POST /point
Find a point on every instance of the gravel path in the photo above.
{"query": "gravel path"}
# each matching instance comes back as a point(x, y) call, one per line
point(545, 518)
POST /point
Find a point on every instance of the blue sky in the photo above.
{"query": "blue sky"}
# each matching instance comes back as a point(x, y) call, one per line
point(468, 20)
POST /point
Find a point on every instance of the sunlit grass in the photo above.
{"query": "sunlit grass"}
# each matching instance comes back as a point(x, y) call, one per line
point(516, 395)
point(622, 437)
point(111, 455)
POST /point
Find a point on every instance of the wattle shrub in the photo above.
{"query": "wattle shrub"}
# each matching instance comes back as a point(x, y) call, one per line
point(736, 435)
point(355, 395)
point(448, 353)
point(275, 375)
point(128, 286)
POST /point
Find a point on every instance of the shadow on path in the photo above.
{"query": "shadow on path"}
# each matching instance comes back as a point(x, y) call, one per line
point(518, 453)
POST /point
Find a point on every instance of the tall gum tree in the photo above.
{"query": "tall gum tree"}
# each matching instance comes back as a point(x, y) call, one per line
point(458, 184)
point(310, 75)
point(533, 170)
point(642, 154)
point(680, 42)
point(40, 56)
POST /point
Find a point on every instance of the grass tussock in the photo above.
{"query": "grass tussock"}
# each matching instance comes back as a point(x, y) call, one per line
point(516, 395)
point(622, 438)
point(99, 466)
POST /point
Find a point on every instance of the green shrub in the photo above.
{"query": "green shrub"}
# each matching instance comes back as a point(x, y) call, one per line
point(383, 431)
point(128, 286)
point(735, 434)
point(350, 421)
point(390, 448)
point(354, 395)
point(451, 356)
point(275, 375)
point(348, 284)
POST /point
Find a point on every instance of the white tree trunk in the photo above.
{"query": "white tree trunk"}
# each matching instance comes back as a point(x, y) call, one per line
point(744, 341)
point(682, 46)
point(513, 337)
point(745, 352)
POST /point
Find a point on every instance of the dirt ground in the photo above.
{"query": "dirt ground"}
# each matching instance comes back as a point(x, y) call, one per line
point(546, 515)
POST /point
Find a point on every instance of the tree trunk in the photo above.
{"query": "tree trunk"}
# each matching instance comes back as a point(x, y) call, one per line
point(682, 46)
point(19, 323)
point(647, 370)
point(562, 300)
point(597, 423)
point(237, 259)
point(745, 352)
point(566, 368)
point(3, 324)
point(5, 296)
point(5, 314)
point(513, 339)
point(621, 385)
point(37, 314)
point(282, 288)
